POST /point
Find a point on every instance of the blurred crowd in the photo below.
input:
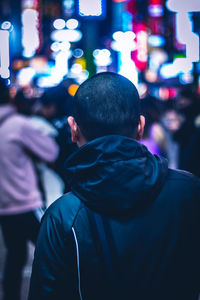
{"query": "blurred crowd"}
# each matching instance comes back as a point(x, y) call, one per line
point(172, 127)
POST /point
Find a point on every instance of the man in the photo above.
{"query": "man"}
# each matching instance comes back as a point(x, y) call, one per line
point(20, 198)
point(129, 228)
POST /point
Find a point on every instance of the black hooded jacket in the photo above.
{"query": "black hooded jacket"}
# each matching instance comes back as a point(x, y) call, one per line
point(129, 229)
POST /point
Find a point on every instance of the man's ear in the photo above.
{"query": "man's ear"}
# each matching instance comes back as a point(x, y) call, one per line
point(140, 129)
point(74, 129)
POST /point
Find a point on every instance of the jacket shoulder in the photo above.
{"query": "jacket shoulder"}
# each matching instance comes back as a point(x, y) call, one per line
point(183, 184)
point(65, 210)
point(183, 176)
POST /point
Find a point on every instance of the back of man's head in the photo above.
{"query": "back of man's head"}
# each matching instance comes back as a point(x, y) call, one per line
point(107, 103)
point(4, 91)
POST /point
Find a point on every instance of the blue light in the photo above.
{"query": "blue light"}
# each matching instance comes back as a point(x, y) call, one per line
point(91, 8)
point(156, 41)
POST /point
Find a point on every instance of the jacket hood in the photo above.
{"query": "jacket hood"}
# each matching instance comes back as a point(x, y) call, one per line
point(5, 111)
point(115, 175)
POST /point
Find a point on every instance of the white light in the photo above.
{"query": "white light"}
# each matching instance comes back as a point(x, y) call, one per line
point(55, 47)
point(183, 65)
point(192, 48)
point(102, 57)
point(156, 40)
point(46, 81)
point(186, 78)
point(123, 40)
point(125, 44)
point(60, 46)
point(117, 35)
point(30, 38)
point(129, 35)
point(69, 35)
point(90, 8)
point(128, 68)
point(183, 6)
point(72, 24)
point(25, 76)
point(6, 25)
point(61, 65)
point(184, 35)
point(76, 68)
point(4, 54)
point(168, 71)
point(79, 77)
point(183, 27)
point(142, 39)
point(180, 65)
point(96, 52)
point(59, 24)
point(82, 76)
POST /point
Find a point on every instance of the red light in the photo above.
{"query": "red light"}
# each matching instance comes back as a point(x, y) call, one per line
point(119, 1)
point(155, 2)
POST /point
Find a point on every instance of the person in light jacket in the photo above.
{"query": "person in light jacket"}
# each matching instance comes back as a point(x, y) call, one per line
point(20, 198)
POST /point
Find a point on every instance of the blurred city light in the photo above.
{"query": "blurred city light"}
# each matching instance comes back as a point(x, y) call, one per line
point(180, 65)
point(82, 76)
point(76, 69)
point(72, 89)
point(59, 24)
point(90, 8)
point(142, 46)
point(156, 58)
point(57, 46)
point(102, 59)
point(124, 43)
point(183, 6)
point(70, 35)
point(61, 65)
point(30, 33)
point(186, 78)
point(68, 7)
point(72, 24)
point(140, 55)
point(78, 53)
point(6, 25)
point(46, 82)
point(156, 41)
point(4, 54)
point(25, 76)
point(185, 35)
point(155, 10)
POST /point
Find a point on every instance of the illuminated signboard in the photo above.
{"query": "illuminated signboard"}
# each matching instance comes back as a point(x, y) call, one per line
point(92, 8)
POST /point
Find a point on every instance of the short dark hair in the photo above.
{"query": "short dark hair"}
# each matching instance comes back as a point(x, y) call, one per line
point(105, 104)
point(59, 96)
point(4, 91)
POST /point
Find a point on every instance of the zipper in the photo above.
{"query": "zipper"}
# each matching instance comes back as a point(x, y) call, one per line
point(78, 260)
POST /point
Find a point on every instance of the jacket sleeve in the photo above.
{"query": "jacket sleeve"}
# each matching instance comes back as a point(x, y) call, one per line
point(54, 273)
point(38, 143)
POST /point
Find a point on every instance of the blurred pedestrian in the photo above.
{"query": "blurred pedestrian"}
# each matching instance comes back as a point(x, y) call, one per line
point(129, 227)
point(188, 104)
point(151, 110)
point(20, 198)
point(56, 107)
